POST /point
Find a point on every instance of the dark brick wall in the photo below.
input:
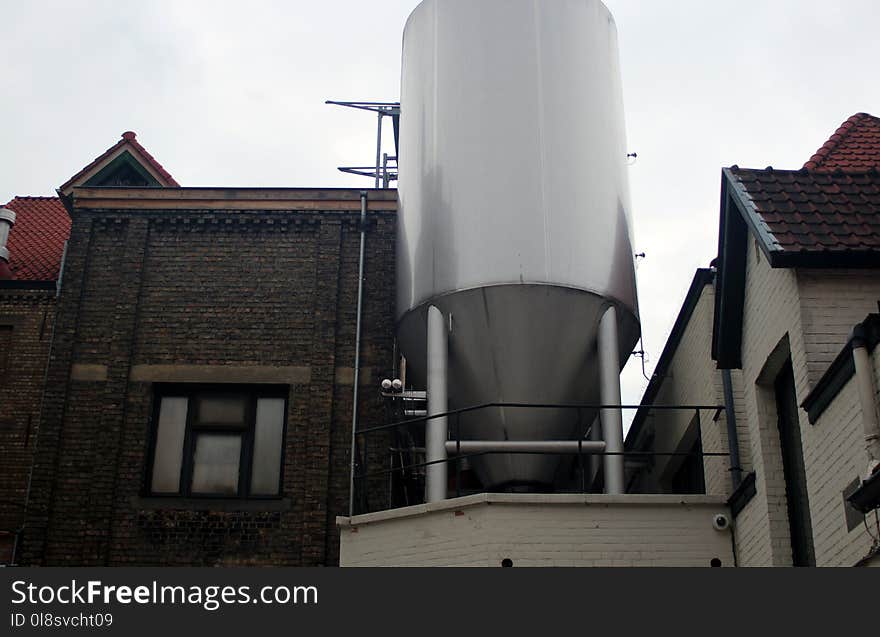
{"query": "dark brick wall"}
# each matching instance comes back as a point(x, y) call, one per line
point(249, 288)
point(26, 318)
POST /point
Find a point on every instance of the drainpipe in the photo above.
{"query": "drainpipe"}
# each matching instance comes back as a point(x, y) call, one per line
point(357, 352)
point(729, 413)
point(867, 397)
point(732, 437)
point(7, 220)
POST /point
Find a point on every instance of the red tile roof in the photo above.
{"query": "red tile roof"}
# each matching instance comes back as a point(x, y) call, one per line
point(812, 211)
point(42, 225)
point(830, 206)
point(854, 146)
point(128, 139)
point(36, 242)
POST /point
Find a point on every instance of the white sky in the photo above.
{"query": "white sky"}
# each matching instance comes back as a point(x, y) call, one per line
point(231, 94)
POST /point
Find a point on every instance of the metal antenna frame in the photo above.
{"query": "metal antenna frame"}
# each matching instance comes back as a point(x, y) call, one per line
point(381, 172)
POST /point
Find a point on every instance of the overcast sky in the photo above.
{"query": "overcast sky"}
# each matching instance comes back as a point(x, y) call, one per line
point(232, 94)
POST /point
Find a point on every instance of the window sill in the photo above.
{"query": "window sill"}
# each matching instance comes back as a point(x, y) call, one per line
point(211, 504)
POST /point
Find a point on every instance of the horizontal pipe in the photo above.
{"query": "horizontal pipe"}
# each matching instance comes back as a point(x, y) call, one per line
point(525, 446)
point(454, 412)
point(626, 454)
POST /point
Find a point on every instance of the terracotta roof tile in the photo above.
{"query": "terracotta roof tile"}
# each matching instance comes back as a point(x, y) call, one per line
point(854, 146)
point(36, 242)
point(813, 211)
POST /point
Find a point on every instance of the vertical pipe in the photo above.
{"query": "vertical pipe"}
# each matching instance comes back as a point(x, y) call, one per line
point(386, 180)
point(609, 388)
point(730, 415)
point(867, 397)
point(379, 147)
point(732, 436)
point(436, 428)
point(7, 220)
point(357, 352)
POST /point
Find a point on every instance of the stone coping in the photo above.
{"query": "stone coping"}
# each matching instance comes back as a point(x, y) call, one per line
point(534, 499)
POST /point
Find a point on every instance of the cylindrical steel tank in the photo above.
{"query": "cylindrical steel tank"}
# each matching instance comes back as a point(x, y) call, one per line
point(514, 212)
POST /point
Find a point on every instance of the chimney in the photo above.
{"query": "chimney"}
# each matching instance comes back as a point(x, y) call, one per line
point(7, 220)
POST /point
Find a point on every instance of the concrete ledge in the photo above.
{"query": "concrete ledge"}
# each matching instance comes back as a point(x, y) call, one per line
point(88, 372)
point(210, 504)
point(539, 499)
point(221, 374)
point(323, 200)
point(491, 529)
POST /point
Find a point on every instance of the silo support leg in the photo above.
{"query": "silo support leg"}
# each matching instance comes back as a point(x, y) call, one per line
point(436, 428)
point(609, 388)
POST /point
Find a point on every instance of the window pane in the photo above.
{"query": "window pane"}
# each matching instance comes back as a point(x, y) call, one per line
point(267, 446)
point(169, 445)
point(215, 463)
point(222, 410)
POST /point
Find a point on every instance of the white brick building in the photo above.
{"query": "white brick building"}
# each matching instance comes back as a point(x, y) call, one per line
point(798, 262)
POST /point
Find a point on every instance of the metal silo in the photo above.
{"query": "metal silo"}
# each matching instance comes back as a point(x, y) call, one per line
point(514, 236)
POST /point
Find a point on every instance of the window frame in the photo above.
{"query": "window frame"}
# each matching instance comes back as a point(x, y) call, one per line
point(193, 392)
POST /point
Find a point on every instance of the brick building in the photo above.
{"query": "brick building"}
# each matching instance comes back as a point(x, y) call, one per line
point(197, 405)
point(30, 265)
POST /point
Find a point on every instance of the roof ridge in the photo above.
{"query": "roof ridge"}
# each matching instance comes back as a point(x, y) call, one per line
point(815, 162)
point(132, 139)
point(808, 171)
point(30, 197)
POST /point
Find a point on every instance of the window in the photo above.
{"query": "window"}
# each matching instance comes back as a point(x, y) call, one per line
point(218, 441)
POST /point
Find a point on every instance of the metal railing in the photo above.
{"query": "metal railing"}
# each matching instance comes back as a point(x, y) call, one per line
point(362, 473)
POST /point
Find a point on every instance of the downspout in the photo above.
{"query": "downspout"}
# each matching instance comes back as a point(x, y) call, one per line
point(732, 438)
point(867, 397)
point(730, 416)
point(357, 352)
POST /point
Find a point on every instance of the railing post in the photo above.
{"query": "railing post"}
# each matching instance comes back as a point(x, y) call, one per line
point(581, 465)
point(458, 455)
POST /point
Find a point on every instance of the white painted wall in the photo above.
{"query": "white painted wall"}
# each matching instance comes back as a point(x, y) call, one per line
point(541, 530)
point(835, 453)
point(693, 378)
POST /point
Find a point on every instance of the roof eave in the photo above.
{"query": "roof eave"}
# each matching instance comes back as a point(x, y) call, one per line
point(826, 259)
point(730, 281)
point(739, 219)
